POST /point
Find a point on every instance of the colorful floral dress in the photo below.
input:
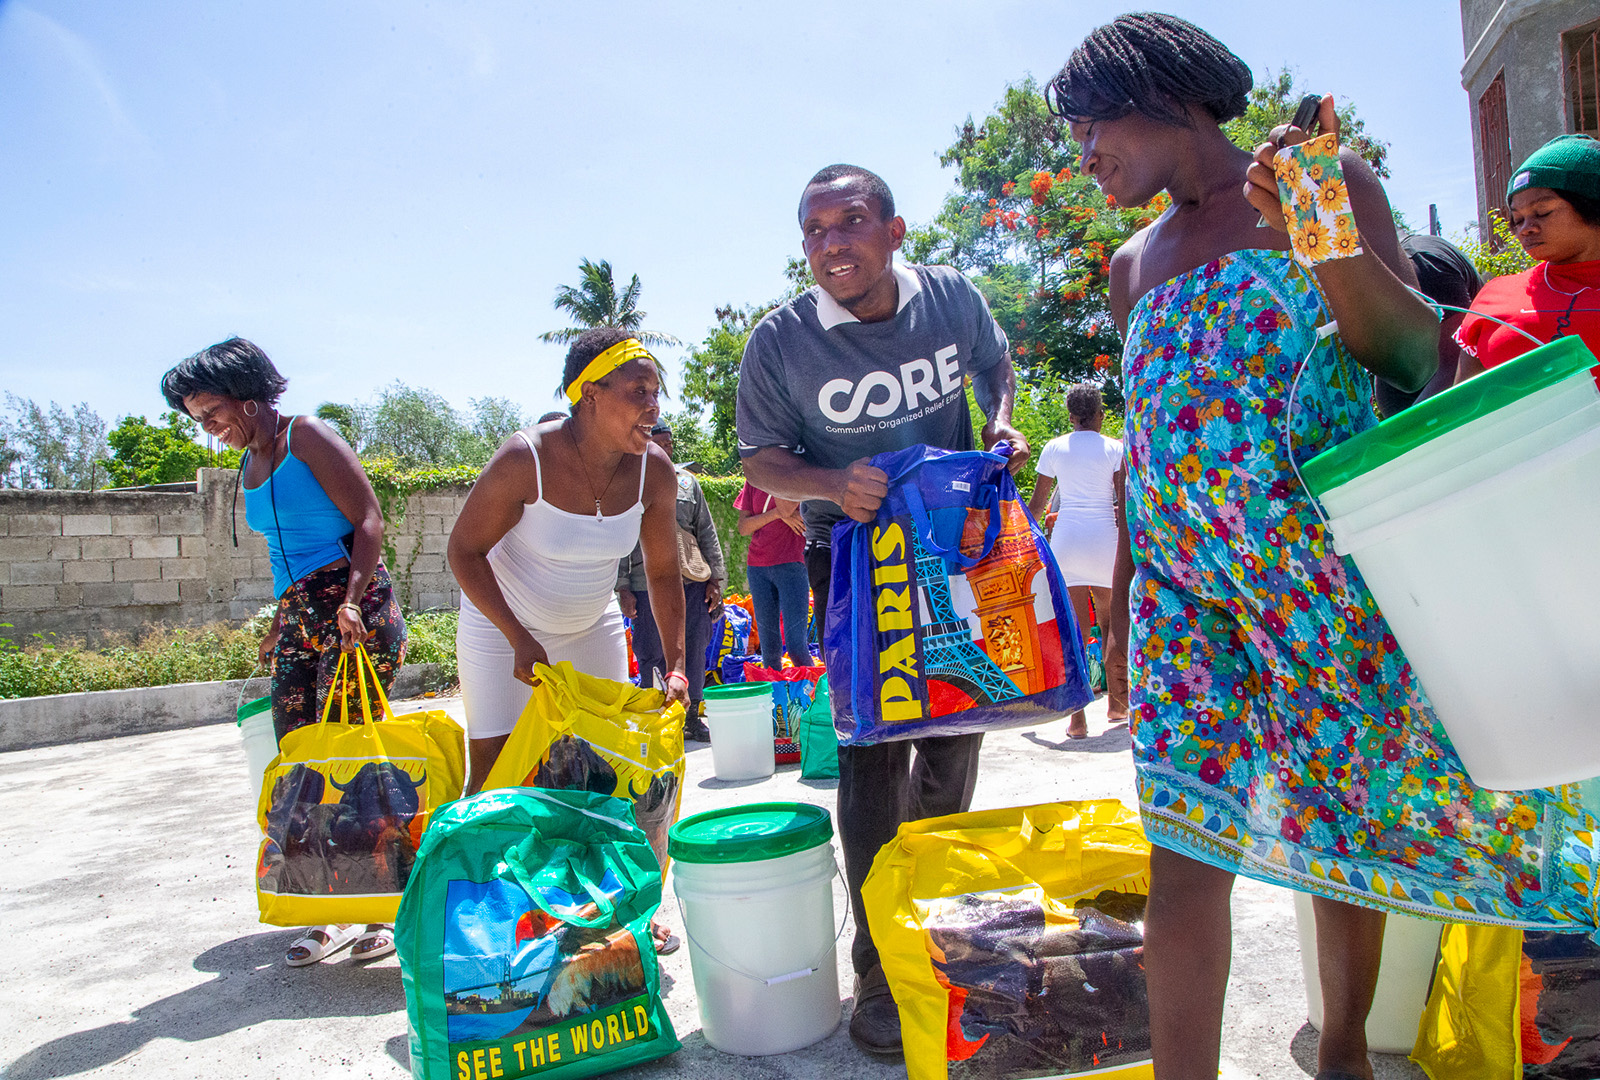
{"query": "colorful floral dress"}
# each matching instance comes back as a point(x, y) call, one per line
point(1277, 728)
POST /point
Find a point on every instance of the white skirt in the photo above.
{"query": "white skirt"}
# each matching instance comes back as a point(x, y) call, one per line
point(1085, 547)
point(492, 696)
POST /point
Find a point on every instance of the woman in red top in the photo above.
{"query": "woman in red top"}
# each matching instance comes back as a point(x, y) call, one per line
point(1555, 213)
point(777, 574)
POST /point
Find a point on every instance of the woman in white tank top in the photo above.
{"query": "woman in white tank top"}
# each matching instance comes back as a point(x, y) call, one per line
point(536, 547)
point(1086, 468)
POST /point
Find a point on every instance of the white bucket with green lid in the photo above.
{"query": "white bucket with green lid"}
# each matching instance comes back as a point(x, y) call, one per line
point(755, 886)
point(260, 740)
point(739, 717)
point(1472, 518)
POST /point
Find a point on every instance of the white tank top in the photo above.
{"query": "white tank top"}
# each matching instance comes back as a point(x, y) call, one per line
point(558, 570)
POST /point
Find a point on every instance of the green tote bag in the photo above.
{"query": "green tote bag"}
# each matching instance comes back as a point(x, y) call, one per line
point(819, 742)
point(524, 939)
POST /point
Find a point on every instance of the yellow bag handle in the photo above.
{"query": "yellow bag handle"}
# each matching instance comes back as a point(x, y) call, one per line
point(340, 686)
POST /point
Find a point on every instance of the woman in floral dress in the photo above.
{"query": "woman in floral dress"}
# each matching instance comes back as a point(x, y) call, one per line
point(1278, 730)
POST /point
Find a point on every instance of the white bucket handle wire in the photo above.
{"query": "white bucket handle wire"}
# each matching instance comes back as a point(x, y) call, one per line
point(244, 682)
point(812, 969)
point(1325, 331)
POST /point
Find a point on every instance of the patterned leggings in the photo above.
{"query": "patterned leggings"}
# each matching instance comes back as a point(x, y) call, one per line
point(307, 653)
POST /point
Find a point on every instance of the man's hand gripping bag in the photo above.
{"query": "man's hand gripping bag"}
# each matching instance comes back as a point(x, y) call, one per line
point(1014, 942)
point(343, 805)
point(584, 733)
point(947, 613)
point(524, 940)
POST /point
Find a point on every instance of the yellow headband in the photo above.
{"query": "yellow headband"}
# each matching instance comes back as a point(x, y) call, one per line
point(607, 362)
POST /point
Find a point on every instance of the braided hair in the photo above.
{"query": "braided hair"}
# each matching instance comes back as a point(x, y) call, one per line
point(1152, 64)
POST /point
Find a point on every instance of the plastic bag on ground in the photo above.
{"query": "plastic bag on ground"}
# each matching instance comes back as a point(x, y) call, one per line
point(793, 689)
point(819, 742)
point(524, 940)
point(1014, 942)
point(1509, 1004)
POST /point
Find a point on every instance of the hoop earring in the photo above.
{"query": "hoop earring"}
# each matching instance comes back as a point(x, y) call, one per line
point(246, 408)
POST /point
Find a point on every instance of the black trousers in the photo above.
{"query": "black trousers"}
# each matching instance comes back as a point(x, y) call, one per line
point(647, 649)
point(882, 786)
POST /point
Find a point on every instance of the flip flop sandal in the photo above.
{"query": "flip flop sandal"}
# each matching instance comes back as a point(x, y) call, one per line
point(319, 943)
point(666, 941)
point(376, 941)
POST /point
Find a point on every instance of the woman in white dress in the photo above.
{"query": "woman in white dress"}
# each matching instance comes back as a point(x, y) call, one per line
point(1085, 468)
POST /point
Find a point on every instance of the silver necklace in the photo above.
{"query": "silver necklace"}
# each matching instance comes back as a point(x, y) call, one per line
point(1551, 285)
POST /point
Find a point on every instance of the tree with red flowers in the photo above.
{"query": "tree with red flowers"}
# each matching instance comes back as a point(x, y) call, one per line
point(1037, 236)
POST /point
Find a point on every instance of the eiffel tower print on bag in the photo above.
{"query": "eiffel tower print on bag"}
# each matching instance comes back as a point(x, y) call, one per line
point(947, 613)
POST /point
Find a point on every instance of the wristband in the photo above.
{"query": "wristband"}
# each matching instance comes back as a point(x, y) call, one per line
point(680, 676)
point(1316, 202)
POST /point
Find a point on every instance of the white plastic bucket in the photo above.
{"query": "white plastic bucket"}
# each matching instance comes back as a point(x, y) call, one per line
point(762, 938)
point(1472, 518)
point(739, 716)
point(1492, 593)
point(260, 742)
point(1410, 953)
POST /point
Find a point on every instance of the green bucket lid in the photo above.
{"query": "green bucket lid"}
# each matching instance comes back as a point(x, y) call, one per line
point(253, 708)
point(1476, 398)
point(735, 691)
point(749, 833)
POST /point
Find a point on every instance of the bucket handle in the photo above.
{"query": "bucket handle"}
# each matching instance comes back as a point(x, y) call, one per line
point(1324, 332)
point(812, 969)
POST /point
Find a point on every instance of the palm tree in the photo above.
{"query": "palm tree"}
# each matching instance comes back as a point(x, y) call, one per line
point(595, 302)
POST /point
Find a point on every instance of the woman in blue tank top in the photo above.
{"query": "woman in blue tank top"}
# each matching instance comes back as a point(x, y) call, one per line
point(306, 492)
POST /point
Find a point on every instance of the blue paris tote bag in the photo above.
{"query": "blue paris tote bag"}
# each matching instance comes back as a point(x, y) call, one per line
point(947, 613)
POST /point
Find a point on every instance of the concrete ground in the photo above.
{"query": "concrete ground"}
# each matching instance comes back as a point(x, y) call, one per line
point(132, 946)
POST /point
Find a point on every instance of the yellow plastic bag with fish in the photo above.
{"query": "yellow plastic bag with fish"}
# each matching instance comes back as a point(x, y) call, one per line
point(1014, 942)
point(584, 733)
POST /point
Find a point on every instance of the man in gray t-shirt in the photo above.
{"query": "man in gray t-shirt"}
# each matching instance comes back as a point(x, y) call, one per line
point(871, 359)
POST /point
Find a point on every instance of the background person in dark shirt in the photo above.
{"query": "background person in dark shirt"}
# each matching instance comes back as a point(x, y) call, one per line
point(1445, 276)
point(871, 359)
point(702, 595)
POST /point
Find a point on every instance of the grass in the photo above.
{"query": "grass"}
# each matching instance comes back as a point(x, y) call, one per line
point(161, 656)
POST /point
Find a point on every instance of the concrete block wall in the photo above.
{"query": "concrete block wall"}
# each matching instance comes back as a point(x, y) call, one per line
point(416, 541)
point(86, 563)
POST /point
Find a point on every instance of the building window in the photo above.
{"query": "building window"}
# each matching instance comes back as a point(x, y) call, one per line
point(1494, 136)
point(1582, 50)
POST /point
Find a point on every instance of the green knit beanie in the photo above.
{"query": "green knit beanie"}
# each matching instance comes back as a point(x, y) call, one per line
point(1566, 163)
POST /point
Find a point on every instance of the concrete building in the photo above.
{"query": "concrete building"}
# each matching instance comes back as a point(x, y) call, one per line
point(1532, 72)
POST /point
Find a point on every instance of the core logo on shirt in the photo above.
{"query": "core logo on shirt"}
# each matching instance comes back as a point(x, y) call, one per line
point(915, 383)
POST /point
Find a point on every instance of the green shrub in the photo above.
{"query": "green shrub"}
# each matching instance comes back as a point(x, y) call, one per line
point(720, 493)
point(161, 656)
point(431, 639)
point(157, 657)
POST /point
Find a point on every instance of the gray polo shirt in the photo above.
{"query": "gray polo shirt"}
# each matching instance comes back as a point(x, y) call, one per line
point(819, 382)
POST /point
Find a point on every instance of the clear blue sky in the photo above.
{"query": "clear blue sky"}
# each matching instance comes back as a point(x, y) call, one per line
point(393, 190)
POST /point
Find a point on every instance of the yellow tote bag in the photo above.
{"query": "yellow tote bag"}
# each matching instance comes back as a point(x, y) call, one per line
point(343, 805)
point(1013, 942)
point(1470, 1027)
point(581, 732)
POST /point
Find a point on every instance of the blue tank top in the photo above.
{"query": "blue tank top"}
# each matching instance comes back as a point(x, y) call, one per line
point(307, 532)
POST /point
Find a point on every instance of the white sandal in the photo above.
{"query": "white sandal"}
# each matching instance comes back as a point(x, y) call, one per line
point(376, 941)
point(319, 943)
